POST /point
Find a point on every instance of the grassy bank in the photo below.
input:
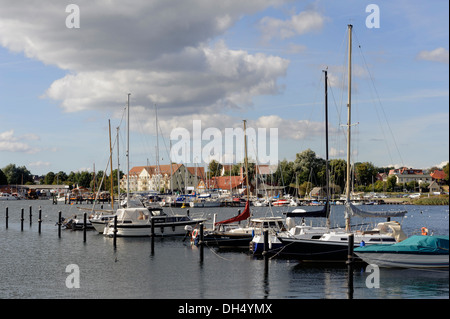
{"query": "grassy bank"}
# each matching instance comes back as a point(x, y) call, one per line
point(434, 200)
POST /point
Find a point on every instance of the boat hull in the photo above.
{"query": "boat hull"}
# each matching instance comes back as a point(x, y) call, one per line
point(403, 260)
point(160, 229)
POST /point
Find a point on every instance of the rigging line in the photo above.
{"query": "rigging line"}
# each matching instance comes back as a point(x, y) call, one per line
point(381, 105)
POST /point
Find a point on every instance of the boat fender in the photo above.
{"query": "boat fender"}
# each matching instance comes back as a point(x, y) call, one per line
point(424, 231)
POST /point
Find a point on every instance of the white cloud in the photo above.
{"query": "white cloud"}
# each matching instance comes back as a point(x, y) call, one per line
point(10, 143)
point(39, 164)
point(158, 50)
point(437, 55)
point(304, 22)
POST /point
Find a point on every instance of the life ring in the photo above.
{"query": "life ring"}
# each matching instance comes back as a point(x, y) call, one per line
point(424, 231)
point(194, 233)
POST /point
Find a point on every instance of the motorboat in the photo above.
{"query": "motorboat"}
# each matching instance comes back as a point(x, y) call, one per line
point(7, 196)
point(137, 222)
point(414, 252)
point(76, 223)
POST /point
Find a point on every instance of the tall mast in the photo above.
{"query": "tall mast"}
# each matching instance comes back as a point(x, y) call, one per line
point(111, 165)
point(118, 168)
point(327, 175)
point(347, 217)
point(246, 161)
point(128, 150)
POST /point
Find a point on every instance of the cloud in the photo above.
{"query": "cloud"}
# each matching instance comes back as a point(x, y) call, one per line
point(437, 55)
point(303, 22)
point(10, 143)
point(39, 164)
point(164, 52)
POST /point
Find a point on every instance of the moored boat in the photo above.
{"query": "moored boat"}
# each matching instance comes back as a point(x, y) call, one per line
point(414, 252)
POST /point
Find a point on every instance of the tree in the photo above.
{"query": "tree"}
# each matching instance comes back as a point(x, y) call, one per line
point(214, 168)
point(3, 179)
point(17, 175)
point(446, 168)
point(365, 173)
point(49, 178)
point(391, 183)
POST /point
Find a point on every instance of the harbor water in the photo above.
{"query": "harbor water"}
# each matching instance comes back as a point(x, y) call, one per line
point(43, 265)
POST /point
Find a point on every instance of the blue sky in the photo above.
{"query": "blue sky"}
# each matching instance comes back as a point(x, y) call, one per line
point(259, 60)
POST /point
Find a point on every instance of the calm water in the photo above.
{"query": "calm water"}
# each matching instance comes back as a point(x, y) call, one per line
point(34, 265)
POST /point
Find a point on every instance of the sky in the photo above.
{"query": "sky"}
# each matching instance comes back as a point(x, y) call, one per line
point(66, 72)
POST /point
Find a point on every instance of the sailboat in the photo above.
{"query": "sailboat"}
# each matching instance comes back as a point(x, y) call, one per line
point(229, 233)
point(137, 221)
point(332, 245)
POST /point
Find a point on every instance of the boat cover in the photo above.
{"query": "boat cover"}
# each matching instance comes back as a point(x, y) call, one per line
point(324, 212)
point(413, 245)
point(352, 210)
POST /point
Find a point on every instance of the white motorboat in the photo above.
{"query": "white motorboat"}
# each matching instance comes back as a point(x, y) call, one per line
point(137, 222)
point(7, 196)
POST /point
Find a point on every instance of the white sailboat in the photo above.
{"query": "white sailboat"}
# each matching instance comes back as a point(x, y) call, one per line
point(332, 245)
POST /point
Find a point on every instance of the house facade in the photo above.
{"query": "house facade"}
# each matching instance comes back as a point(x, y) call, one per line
point(406, 175)
point(163, 178)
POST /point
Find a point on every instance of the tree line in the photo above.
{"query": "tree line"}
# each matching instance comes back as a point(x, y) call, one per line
point(20, 175)
point(308, 171)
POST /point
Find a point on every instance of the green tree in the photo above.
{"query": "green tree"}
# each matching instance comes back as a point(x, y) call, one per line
point(49, 178)
point(17, 175)
point(3, 179)
point(391, 183)
point(366, 173)
point(214, 168)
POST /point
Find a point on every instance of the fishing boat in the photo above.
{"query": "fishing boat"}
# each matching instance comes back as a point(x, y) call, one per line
point(414, 252)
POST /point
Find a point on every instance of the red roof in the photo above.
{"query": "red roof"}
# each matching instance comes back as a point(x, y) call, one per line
point(438, 174)
point(225, 182)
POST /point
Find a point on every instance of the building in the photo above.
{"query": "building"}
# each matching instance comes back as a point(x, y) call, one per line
point(405, 175)
point(163, 178)
point(438, 176)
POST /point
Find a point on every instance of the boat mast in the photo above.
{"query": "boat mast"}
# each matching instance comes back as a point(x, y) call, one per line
point(111, 165)
point(246, 161)
point(347, 216)
point(118, 169)
point(128, 150)
point(327, 175)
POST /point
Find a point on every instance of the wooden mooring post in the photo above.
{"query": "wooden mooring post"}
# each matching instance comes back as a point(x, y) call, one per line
point(201, 243)
point(153, 236)
point(115, 232)
point(31, 215)
point(59, 223)
point(350, 265)
point(6, 218)
point(84, 226)
point(21, 220)
point(39, 220)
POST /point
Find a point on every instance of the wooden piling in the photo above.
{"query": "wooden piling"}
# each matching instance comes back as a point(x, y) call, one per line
point(350, 264)
point(59, 224)
point(6, 218)
point(84, 226)
point(21, 220)
point(266, 249)
point(201, 243)
point(39, 220)
point(31, 215)
point(115, 232)
point(152, 235)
